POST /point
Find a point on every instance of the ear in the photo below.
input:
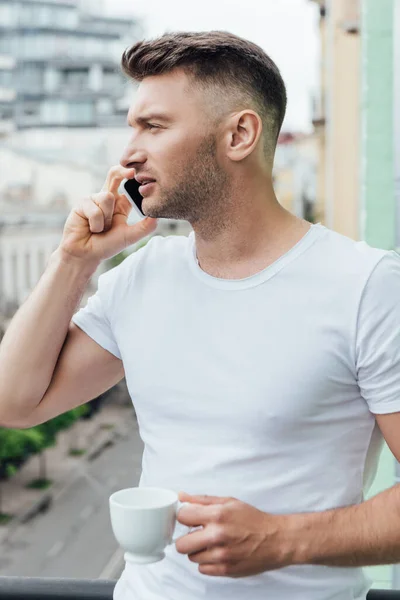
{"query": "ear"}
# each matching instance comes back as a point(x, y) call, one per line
point(244, 130)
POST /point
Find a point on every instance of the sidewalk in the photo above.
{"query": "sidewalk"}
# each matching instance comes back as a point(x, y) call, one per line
point(93, 435)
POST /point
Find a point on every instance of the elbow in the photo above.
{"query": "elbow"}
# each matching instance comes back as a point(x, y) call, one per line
point(10, 423)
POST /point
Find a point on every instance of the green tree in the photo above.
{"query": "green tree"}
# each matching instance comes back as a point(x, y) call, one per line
point(15, 446)
point(49, 430)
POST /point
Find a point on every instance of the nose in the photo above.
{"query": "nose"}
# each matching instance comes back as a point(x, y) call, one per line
point(132, 158)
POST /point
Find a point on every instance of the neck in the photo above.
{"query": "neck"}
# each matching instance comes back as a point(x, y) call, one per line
point(251, 235)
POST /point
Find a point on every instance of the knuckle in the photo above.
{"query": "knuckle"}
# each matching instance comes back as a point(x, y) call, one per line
point(97, 212)
point(216, 535)
point(222, 554)
point(114, 170)
point(219, 514)
point(101, 197)
point(93, 200)
point(107, 197)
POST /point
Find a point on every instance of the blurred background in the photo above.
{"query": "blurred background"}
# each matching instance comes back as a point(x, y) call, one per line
point(63, 108)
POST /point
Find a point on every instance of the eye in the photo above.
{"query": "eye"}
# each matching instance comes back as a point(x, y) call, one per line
point(152, 126)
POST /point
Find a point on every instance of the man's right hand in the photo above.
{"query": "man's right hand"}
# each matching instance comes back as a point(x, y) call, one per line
point(97, 229)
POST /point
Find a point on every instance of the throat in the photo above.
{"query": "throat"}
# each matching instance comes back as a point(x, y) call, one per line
point(237, 271)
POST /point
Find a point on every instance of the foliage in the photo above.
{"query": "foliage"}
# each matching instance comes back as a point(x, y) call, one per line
point(50, 429)
point(77, 451)
point(39, 484)
point(16, 445)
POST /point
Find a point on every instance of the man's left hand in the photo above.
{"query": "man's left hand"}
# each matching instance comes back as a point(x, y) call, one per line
point(236, 539)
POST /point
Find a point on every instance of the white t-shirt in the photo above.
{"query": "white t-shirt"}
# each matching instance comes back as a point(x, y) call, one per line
point(261, 389)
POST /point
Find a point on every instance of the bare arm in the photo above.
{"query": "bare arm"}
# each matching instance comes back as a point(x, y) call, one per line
point(352, 536)
point(34, 339)
point(47, 364)
point(83, 371)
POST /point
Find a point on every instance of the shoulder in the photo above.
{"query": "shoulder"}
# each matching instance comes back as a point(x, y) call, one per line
point(349, 254)
point(383, 283)
point(347, 262)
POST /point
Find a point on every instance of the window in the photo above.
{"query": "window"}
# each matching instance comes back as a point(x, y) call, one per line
point(111, 79)
point(75, 79)
point(6, 111)
point(80, 113)
point(8, 14)
point(104, 106)
point(54, 112)
point(6, 78)
point(31, 78)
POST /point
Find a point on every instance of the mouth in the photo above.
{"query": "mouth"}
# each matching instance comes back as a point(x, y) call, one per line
point(146, 187)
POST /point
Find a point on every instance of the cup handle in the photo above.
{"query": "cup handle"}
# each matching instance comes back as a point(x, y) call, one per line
point(175, 537)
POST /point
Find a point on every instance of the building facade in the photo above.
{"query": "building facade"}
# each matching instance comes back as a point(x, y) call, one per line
point(66, 64)
point(337, 116)
point(63, 108)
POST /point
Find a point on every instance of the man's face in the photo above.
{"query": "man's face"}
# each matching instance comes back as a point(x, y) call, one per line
point(173, 142)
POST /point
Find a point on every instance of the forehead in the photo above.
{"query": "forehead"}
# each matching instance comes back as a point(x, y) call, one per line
point(169, 93)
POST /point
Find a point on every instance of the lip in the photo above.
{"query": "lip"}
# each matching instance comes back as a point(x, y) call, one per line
point(142, 178)
point(144, 189)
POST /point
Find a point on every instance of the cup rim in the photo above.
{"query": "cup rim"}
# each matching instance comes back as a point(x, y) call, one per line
point(113, 501)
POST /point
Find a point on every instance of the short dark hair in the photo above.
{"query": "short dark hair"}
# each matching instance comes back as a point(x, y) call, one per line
point(217, 61)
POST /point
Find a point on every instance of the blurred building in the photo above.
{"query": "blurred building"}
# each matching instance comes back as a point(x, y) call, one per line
point(357, 119)
point(66, 64)
point(63, 108)
point(337, 116)
point(295, 174)
point(379, 112)
point(355, 116)
point(8, 93)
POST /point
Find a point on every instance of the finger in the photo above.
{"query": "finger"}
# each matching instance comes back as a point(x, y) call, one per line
point(106, 201)
point(196, 515)
point(213, 556)
point(219, 570)
point(199, 541)
point(93, 213)
point(114, 177)
point(135, 232)
point(99, 209)
point(203, 499)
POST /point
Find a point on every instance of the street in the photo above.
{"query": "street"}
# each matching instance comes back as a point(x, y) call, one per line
point(74, 538)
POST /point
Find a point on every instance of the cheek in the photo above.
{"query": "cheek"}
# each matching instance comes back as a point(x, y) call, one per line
point(171, 158)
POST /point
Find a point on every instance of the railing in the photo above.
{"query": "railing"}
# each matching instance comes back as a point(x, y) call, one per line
point(28, 588)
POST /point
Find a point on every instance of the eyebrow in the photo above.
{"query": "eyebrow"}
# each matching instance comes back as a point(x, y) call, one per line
point(146, 118)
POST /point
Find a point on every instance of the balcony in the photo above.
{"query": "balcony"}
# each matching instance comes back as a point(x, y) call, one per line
point(27, 588)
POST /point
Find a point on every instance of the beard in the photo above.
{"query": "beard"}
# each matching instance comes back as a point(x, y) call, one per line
point(202, 192)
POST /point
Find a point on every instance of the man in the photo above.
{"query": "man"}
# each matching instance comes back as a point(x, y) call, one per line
point(262, 353)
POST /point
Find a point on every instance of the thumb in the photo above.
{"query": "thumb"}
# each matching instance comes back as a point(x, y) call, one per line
point(133, 233)
point(203, 499)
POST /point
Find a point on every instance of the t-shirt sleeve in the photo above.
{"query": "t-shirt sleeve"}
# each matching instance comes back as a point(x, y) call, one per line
point(378, 337)
point(95, 318)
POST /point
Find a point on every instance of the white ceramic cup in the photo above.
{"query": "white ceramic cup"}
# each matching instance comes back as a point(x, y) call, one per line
point(143, 520)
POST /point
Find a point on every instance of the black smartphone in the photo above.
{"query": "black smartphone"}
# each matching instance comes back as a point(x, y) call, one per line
point(130, 189)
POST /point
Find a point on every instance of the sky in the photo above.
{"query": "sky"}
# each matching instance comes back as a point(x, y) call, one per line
point(287, 30)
